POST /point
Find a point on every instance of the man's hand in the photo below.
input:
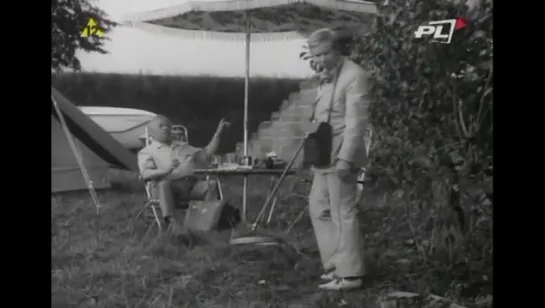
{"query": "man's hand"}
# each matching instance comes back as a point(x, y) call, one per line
point(159, 174)
point(212, 147)
point(150, 164)
point(223, 124)
point(173, 165)
point(343, 167)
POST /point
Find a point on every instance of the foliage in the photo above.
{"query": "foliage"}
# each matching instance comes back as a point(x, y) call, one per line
point(198, 102)
point(68, 19)
point(432, 111)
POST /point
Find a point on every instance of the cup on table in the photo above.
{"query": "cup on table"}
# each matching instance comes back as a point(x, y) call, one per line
point(216, 161)
point(247, 161)
point(231, 159)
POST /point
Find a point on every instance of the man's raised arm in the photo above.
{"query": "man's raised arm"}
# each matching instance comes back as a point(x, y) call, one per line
point(212, 147)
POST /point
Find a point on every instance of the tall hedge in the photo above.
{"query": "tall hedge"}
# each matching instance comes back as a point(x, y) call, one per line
point(197, 102)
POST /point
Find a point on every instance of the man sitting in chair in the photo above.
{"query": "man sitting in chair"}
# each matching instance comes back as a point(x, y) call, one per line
point(170, 165)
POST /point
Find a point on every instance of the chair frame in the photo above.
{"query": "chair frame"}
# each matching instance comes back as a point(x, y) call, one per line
point(183, 129)
point(152, 204)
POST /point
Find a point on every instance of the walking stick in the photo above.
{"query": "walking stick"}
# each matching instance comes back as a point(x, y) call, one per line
point(278, 183)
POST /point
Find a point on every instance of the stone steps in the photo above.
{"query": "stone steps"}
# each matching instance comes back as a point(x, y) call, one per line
point(286, 128)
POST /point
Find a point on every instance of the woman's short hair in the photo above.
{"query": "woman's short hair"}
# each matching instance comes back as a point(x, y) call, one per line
point(321, 36)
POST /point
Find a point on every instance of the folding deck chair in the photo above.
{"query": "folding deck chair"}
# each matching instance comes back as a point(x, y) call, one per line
point(151, 210)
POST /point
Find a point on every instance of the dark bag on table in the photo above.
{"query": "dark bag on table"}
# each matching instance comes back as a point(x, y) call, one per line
point(318, 145)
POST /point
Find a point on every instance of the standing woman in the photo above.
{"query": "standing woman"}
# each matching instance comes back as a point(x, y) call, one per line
point(342, 103)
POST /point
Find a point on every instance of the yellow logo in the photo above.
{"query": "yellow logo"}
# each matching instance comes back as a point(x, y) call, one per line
point(91, 29)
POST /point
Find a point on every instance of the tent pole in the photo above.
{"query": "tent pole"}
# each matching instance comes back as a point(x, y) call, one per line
point(78, 157)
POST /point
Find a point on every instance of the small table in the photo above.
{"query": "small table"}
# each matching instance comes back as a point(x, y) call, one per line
point(242, 171)
point(246, 172)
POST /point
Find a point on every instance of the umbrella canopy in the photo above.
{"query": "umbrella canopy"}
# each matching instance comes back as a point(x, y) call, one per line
point(284, 17)
point(270, 19)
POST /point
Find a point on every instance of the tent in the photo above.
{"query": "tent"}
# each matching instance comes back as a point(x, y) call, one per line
point(99, 151)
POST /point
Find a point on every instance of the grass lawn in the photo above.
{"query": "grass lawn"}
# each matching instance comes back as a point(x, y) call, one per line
point(100, 260)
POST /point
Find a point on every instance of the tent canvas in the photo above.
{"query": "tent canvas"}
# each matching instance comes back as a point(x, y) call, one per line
point(65, 172)
point(99, 151)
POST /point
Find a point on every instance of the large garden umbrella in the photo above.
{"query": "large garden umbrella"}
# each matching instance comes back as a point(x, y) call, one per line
point(249, 20)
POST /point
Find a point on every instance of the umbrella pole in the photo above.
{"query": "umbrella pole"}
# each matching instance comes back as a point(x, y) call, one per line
point(246, 94)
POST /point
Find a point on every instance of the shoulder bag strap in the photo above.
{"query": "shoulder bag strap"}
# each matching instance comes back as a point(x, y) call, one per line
point(332, 96)
point(333, 92)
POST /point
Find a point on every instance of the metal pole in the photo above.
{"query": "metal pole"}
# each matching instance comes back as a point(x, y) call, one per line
point(272, 195)
point(77, 155)
point(246, 82)
point(246, 91)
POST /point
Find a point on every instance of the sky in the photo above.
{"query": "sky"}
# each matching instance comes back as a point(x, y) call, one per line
point(134, 50)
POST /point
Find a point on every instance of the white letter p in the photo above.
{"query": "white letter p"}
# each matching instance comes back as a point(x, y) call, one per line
point(424, 30)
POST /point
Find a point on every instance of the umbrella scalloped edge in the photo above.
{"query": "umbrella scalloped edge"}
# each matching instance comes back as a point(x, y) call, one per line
point(271, 19)
point(215, 35)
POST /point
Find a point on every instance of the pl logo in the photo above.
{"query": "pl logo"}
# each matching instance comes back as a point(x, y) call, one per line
point(441, 30)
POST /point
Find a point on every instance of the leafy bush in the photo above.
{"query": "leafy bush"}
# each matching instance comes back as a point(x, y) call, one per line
point(432, 113)
point(197, 102)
